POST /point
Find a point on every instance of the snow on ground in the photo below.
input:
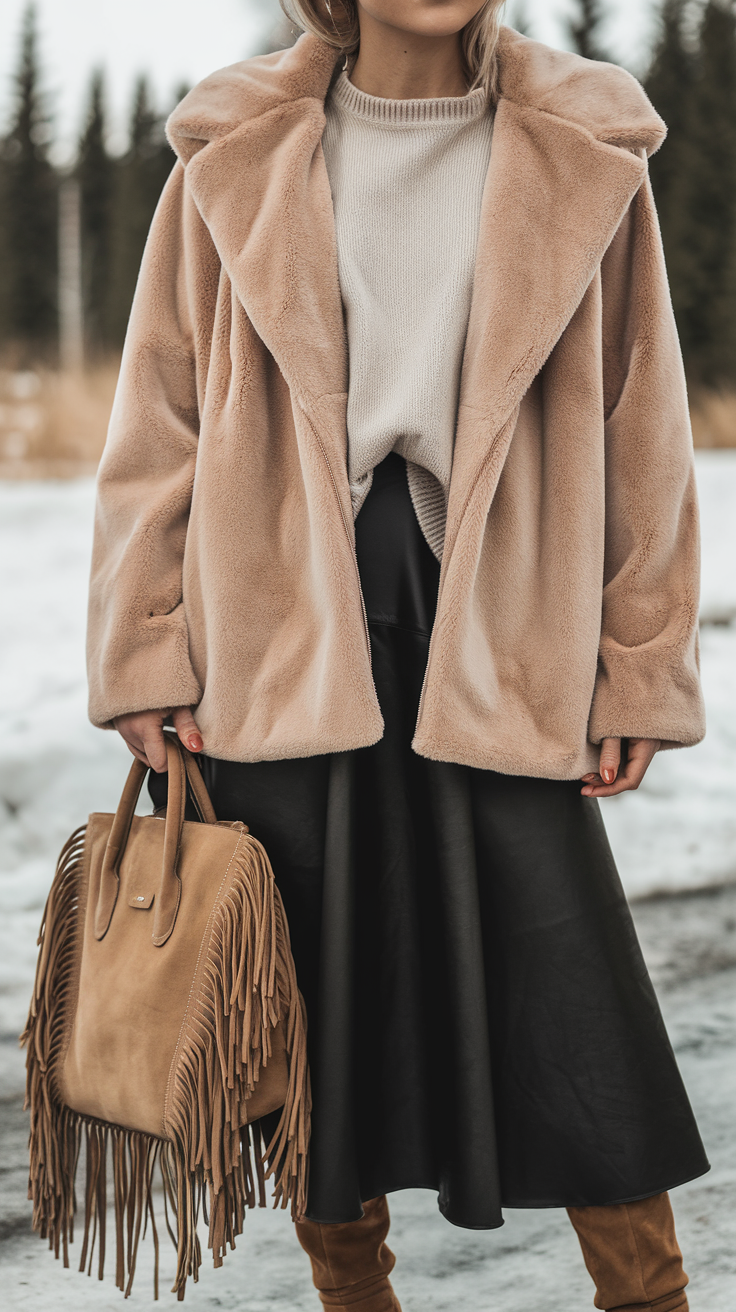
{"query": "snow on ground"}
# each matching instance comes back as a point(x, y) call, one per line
point(532, 1262)
point(678, 832)
point(716, 473)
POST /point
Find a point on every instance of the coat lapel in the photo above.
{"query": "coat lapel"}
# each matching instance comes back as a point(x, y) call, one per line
point(553, 200)
point(556, 191)
point(263, 191)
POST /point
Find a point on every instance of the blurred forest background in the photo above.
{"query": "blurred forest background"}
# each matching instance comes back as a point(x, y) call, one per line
point(71, 239)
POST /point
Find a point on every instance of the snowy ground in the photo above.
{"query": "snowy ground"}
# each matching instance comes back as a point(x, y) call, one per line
point(676, 835)
point(534, 1261)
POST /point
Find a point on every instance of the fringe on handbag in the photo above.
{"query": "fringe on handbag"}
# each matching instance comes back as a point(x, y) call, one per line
point(165, 1021)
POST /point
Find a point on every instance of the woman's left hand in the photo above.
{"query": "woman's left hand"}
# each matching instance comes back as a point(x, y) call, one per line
point(612, 778)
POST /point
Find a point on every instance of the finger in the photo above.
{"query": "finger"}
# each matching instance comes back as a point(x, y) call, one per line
point(639, 757)
point(136, 751)
point(644, 749)
point(132, 740)
point(621, 785)
point(591, 779)
point(640, 754)
point(186, 727)
point(636, 768)
point(610, 759)
point(628, 778)
point(154, 746)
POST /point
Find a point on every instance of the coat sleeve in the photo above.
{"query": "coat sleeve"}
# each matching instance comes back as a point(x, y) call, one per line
point(137, 640)
point(647, 683)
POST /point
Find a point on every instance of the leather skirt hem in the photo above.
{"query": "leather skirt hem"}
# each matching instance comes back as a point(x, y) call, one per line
point(665, 1187)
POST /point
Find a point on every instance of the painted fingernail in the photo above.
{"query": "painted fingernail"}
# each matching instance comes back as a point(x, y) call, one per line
point(195, 743)
point(608, 775)
point(588, 778)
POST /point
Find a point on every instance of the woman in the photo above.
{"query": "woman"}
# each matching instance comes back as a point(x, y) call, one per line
point(397, 523)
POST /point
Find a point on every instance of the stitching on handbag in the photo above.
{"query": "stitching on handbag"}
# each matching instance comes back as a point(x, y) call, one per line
point(206, 936)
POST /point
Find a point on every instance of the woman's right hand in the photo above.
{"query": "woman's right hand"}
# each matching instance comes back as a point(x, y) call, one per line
point(143, 731)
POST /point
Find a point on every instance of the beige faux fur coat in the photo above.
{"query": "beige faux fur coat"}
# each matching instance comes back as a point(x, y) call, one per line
point(224, 572)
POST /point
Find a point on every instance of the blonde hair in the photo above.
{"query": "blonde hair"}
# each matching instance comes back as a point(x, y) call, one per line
point(336, 22)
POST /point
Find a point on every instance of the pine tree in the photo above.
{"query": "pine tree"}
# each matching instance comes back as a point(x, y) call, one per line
point(519, 18)
point(4, 262)
point(96, 176)
point(29, 208)
point(584, 31)
point(670, 85)
point(141, 174)
point(707, 309)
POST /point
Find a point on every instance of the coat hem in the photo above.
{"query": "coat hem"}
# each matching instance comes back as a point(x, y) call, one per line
point(502, 764)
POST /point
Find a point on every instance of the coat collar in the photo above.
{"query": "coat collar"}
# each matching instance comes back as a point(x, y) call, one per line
point(602, 99)
point(568, 155)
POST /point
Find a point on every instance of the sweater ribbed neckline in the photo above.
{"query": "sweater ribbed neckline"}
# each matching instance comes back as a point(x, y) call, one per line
point(408, 113)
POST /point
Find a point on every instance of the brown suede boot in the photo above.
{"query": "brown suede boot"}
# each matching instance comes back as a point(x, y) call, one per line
point(632, 1253)
point(351, 1262)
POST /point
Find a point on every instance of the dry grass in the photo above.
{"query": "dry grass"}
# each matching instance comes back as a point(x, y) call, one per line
point(53, 425)
point(714, 419)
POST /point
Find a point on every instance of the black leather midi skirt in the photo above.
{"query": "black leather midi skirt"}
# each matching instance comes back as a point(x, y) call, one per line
point(481, 1020)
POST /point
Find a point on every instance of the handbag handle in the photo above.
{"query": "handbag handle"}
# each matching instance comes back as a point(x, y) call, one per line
point(182, 770)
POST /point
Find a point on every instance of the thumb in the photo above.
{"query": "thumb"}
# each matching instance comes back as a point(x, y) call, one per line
point(186, 727)
point(610, 759)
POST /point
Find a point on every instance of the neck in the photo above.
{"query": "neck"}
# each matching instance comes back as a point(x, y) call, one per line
point(400, 65)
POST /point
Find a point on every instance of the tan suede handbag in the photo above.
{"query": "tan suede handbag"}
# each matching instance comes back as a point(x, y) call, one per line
point(165, 1021)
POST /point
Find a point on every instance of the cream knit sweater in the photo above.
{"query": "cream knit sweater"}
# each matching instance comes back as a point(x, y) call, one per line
point(407, 181)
